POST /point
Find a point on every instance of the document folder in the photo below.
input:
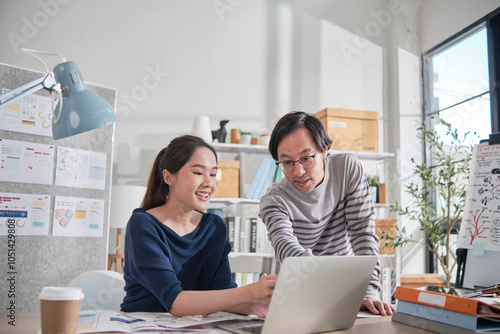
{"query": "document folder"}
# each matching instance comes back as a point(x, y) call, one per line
point(472, 306)
point(467, 321)
point(431, 325)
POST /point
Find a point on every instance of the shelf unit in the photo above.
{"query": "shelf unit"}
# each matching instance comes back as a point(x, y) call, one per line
point(245, 262)
point(240, 261)
point(229, 201)
point(242, 150)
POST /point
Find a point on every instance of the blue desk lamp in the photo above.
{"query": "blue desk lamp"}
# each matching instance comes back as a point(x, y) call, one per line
point(77, 111)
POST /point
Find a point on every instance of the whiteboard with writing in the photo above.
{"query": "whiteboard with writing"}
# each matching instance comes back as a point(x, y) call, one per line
point(480, 227)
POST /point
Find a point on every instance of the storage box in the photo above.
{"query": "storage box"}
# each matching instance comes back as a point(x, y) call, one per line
point(419, 280)
point(351, 130)
point(228, 179)
point(385, 225)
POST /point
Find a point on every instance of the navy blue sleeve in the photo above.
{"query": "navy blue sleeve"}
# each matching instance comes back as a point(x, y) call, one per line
point(150, 264)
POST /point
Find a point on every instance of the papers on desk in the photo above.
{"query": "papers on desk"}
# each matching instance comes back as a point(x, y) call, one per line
point(367, 314)
point(112, 321)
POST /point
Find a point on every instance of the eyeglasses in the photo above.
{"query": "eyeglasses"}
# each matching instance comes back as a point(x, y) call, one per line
point(288, 165)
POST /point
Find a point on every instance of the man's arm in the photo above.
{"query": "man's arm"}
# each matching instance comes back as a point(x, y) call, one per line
point(280, 230)
point(360, 215)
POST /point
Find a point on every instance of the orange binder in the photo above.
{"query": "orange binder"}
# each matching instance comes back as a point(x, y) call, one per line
point(449, 302)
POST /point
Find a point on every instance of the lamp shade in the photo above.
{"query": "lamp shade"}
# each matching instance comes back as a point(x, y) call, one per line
point(81, 110)
point(124, 199)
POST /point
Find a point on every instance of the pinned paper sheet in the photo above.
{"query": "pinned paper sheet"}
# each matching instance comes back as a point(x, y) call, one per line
point(26, 162)
point(28, 214)
point(32, 115)
point(80, 168)
point(78, 217)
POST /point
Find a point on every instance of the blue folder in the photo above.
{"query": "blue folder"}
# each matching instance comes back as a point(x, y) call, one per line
point(462, 320)
point(261, 171)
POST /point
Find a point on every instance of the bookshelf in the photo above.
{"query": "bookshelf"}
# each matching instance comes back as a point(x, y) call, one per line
point(229, 201)
point(245, 262)
point(265, 262)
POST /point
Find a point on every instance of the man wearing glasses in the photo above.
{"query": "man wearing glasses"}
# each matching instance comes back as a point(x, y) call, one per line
point(322, 206)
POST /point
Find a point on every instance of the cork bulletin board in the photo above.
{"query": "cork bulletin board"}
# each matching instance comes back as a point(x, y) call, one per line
point(35, 261)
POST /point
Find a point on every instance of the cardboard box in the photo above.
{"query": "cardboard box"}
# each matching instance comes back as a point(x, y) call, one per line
point(419, 280)
point(385, 225)
point(228, 179)
point(351, 130)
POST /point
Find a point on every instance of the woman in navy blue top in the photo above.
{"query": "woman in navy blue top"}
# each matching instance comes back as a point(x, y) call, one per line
point(176, 256)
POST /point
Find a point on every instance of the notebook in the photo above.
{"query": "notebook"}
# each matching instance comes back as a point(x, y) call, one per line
point(313, 294)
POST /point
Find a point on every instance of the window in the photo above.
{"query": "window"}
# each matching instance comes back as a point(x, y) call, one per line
point(460, 84)
point(459, 91)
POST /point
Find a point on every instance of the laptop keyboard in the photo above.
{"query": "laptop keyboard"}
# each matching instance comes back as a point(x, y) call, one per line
point(257, 329)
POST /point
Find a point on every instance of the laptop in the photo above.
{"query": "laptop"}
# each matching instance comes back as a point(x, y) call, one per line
point(312, 295)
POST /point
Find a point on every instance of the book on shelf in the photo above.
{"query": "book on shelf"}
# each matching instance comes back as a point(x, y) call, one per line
point(433, 326)
point(237, 227)
point(448, 299)
point(253, 235)
point(230, 228)
point(388, 284)
point(238, 233)
point(243, 279)
point(247, 235)
point(457, 319)
point(263, 169)
point(262, 179)
point(268, 179)
point(263, 243)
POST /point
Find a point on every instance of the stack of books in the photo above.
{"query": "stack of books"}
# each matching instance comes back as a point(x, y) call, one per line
point(247, 235)
point(243, 279)
point(445, 310)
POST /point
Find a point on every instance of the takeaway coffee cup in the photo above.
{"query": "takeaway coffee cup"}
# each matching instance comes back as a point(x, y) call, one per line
point(60, 309)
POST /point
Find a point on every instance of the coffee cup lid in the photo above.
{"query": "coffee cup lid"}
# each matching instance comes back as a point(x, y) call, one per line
point(61, 293)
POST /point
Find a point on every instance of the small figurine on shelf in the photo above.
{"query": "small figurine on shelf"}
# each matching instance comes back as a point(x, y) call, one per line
point(220, 134)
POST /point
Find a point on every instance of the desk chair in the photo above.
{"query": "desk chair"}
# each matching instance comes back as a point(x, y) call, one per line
point(103, 289)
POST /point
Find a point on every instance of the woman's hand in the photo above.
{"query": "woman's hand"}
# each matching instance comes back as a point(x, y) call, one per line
point(259, 310)
point(256, 296)
point(262, 290)
point(376, 306)
point(260, 295)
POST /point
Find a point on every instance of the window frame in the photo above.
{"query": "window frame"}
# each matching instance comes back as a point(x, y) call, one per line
point(492, 24)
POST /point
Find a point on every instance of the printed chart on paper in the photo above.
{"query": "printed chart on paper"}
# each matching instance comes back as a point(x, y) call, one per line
point(480, 227)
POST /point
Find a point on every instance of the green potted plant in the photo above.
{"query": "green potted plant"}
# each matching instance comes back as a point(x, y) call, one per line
point(373, 182)
point(246, 137)
point(438, 198)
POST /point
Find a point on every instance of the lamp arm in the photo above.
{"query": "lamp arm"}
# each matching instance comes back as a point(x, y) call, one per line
point(48, 82)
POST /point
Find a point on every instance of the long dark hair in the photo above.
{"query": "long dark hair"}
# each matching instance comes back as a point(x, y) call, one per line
point(172, 158)
point(291, 122)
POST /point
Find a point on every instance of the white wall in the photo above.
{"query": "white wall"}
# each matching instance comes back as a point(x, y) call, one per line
point(247, 61)
point(169, 60)
point(443, 19)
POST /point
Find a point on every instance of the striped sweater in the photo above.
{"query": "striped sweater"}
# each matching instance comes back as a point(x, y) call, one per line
point(335, 218)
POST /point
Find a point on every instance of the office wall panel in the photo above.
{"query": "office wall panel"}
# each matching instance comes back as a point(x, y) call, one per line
point(50, 260)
